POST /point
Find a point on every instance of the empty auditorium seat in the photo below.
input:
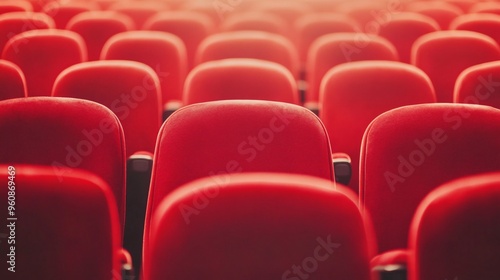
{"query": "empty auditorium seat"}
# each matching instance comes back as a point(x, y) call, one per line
point(15, 23)
point(240, 78)
point(258, 21)
point(333, 49)
point(42, 55)
point(487, 24)
point(249, 44)
point(454, 234)
point(409, 151)
point(96, 27)
point(404, 29)
point(486, 7)
point(15, 6)
point(65, 134)
point(191, 27)
point(479, 84)
point(353, 94)
point(311, 26)
point(258, 226)
point(163, 52)
point(60, 227)
point(12, 81)
point(444, 54)
point(62, 12)
point(139, 12)
point(443, 13)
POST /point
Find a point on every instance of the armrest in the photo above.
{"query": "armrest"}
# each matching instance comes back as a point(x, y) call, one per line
point(342, 168)
point(126, 265)
point(170, 108)
point(313, 106)
point(391, 265)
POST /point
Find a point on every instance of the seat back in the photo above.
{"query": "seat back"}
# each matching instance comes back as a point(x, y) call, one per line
point(15, 23)
point(409, 151)
point(441, 11)
point(166, 54)
point(487, 24)
point(139, 12)
point(15, 6)
point(65, 134)
point(62, 12)
point(455, 231)
point(240, 78)
point(444, 54)
point(258, 226)
point(257, 21)
point(478, 85)
point(347, 106)
point(130, 89)
point(57, 224)
point(42, 55)
point(330, 50)
point(486, 7)
point(12, 81)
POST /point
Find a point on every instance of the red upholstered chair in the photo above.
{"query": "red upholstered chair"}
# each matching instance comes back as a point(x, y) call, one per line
point(333, 49)
point(486, 7)
point(444, 54)
point(347, 106)
point(487, 24)
point(163, 52)
point(67, 226)
point(222, 137)
point(312, 26)
point(139, 12)
point(191, 27)
point(404, 29)
point(409, 151)
point(258, 226)
point(441, 11)
point(65, 134)
point(14, 23)
point(257, 21)
point(478, 84)
point(62, 12)
point(250, 44)
point(97, 27)
point(15, 6)
point(12, 81)
point(42, 55)
point(240, 78)
point(454, 233)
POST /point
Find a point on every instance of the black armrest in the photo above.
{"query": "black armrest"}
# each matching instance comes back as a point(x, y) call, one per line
point(342, 168)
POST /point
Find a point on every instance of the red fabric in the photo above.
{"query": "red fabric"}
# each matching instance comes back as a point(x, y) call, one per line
point(62, 12)
point(441, 11)
point(12, 81)
point(13, 23)
point(486, 24)
point(259, 21)
point(139, 12)
point(479, 85)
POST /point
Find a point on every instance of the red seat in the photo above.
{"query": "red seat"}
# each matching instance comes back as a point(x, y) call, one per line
point(487, 24)
point(407, 152)
point(57, 224)
point(166, 54)
point(249, 44)
point(347, 106)
point(42, 55)
point(486, 7)
point(97, 27)
point(64, 134)
point(15, 6)
point(130, 89)
point(257, 21)
point(443, 13)
point(139, 12)
point(191, 27)
point(12, 81)
point(15, 23)
point(333, 49)
point(62, 12)
point(464, 5)
point(444, 54)
point(240, 78)
point(404, 29)
point(479, 85)
point(454, 233)
point(258, 226)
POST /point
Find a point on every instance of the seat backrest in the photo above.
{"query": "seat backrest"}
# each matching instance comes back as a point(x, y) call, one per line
point(12, 81)
point(486, 7)
point(258, 226)
point(42, 55)
point(249, 44)
point(257, 21)
point(191, 27)
point(56, 224)
point(130, 89)
point(441, 11)
point(487, 24)
point(478, 84)
point(96, 27)
point(443, 55)
point(454, 233)
point(14, 23)
point(65, 134)
point(347, 106)
point(330, 50)
point(62, 12)
point(404, 29)
point(15, 6)
point(166, 54)
point(139, 12)
point(409, 151)
point(240, 78)
point(366, 13)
